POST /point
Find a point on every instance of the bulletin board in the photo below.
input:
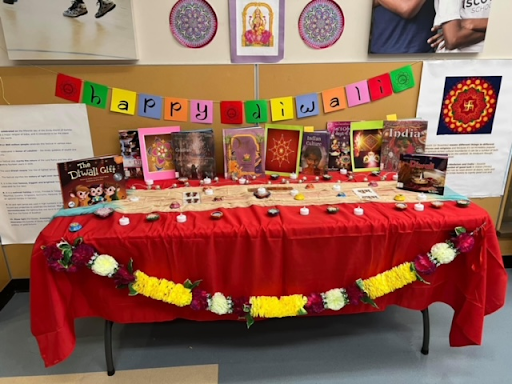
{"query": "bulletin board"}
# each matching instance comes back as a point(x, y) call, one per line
point(36, 85)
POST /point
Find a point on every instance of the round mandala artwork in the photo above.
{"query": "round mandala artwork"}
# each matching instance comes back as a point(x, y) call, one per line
point(469, 106)
point(321, 23)
point(193, 23)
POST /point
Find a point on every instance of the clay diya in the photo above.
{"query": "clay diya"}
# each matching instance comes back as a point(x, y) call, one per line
point(273, 212)
point(327, 177)
point(262, 193)
point(401, 206)
point(274, 176)
point(310, 186)
point(463, 203)
point(174, 205)
point(373, 184)
point(332, 210)
point(437, 204)
point(217, 215)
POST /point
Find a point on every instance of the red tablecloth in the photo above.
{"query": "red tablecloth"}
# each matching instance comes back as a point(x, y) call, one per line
point(249, 253)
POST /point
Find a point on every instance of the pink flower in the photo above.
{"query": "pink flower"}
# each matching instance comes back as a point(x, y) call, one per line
point(315, 303)
point(82, 255)
point(424, 265)
point(52, 253)
point(199, 300)
point(464, 242)
point(238, 305)
point(56, 266)
point(123, 276)
point(355, 294)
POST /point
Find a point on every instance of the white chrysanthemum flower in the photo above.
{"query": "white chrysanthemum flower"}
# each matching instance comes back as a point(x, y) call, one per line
point(104, 265)
point(334, 299)
point(219, 304)
point(443, 253)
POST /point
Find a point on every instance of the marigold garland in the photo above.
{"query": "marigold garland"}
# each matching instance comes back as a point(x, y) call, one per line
point(69, 257)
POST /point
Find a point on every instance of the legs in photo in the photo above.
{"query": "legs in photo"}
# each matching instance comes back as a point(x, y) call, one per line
point(77, 9)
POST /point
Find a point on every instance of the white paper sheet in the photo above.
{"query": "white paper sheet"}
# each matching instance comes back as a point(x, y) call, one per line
point(478, 162)
point(33, 138)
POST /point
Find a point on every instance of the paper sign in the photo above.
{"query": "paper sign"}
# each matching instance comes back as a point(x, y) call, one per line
point(309, 128)
point(123, 101)
point(201, 111)
point(95, 95)
point(256, 111)
point(393, 117)
point(307, 105)
point(334, 99)
point(366, 194)
point(402, 78)
point(282, 108)
point(358, 93)
point(69, 88)
point(150, 106)
point(231, 112)
point(380, 87)
point(175, 109)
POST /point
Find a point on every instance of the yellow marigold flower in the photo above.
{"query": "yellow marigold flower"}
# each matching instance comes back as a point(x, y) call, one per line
point(140, 282)
point(389, 281)
point(271, 306)
point(180, 296)
point(167, 287)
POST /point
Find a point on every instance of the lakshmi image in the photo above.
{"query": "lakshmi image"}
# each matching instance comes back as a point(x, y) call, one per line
point(255, 26)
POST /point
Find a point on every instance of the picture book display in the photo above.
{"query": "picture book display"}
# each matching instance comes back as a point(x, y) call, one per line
point(283, 145)
point(400, 138)
point(244, 152)
point(315, 153)
point(422, 173)
point(194, 154)
point(365, 142)
point(130, 150)
point(339, 151)
point(92, 181)
point(158, 159)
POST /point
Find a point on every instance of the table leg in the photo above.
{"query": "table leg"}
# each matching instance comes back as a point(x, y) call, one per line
point(426, 332)
point(108, 348)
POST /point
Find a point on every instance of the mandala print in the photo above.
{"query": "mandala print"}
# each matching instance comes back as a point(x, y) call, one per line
point(193, 23)
point(321, 23)
point(281, 150)
point(469, 106)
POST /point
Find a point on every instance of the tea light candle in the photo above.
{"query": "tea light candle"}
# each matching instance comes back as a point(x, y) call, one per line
point(124, 221)
point(358, 211)
point(336, 187)
point(419, 207)
point(207, 181)
point(294, 192)
point(293, 176)
point(262, 191)
point(343, 171)
point(317, 178)
point(304, 211)
point(422, 197)
point(149, 182)
point(209, 192)
point(241, 181)
point(395, 177)
point(181, 218)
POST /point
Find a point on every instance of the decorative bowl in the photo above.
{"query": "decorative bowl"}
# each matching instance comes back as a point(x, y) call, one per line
point(463, 203)
point(152, 217)
point(401, 206)
point(437, 204)
point(217, 215)
point(332, 210)
point(273, 212)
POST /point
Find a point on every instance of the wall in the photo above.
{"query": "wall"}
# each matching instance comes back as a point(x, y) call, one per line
point(4, 273)
point(156, 45)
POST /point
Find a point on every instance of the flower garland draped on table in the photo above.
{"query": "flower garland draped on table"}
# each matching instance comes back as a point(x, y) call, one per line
point(67, 257)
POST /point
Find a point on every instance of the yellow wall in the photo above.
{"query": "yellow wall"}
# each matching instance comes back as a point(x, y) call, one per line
point(4, 273)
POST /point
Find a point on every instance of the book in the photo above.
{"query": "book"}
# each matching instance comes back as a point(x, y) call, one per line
point(244, 152)
point(399, 138)
point(315, 153)
point(91, 181)
point(366, 141)
point(130, 150)
point(339, 151)
point(422, 173)
point(194, 154)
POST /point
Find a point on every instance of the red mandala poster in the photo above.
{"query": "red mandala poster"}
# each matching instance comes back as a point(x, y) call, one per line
point(283, 149)
point(469, 105)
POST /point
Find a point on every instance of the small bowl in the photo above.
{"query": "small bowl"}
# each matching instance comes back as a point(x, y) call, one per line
point(174, 205)
point(463, 203)
point(152, 217)
point(264, 196)
point(274, 176)
point(183, 180)
point(401, 206)
point(327, 177)
point(437, 204)
point(299, 197)
point(273, 212)
point(104, 212)
point(217, 215)
point(399, 197)
point(75, 227)
point(332, 210)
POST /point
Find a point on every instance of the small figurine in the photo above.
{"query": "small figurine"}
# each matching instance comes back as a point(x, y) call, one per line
point(310, 186)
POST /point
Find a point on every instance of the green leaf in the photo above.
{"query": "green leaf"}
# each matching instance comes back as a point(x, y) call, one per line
point(367, 300)
point(133, 292)
point(360, 284)
point(302, 312)
point(64, 246)
point(130, 266)
point(413, 270)
point(196, 284)
point(122, 286)
point(78, 241)
point(460, 230)
point(187, 284)
point(68, 254)
point(249, 320)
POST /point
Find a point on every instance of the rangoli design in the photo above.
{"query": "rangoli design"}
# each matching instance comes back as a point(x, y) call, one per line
point(160, 153)
point(469, 106)
point(193, 23)
point(321, 23)
point(281, 150)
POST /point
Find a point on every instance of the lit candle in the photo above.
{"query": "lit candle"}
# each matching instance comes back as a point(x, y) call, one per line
point(343, 171)
point(124, 221)
point(181, 218)
point(422, 197)
point(358, 211)
point(304, 211)
point(293, 176)
point(419, 207)
point(336, 187)
point(294, 192)
point(241, 181)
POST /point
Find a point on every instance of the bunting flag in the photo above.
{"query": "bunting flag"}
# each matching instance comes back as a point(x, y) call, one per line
point(234, 112)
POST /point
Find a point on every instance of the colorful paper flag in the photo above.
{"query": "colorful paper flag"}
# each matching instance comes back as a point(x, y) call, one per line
point(95, 95)
point(334, 99)
point(402, 78)
point(150, 106)
point(256, 111)
point(69, 88)
point(282, 108)
point(380, 87)
point(231, 112)
point(123, 101)
point(175, 109)
point(358, 93)
point(307, 105)
point(201, 111)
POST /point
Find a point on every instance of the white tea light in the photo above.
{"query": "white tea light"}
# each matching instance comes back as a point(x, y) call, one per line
point(304, 211)
point(207, 181)
point(422, 197)
point(241, 181)
point(124, 221)
point(336, 187)
point(419, 207)
point(343, 171)
point(293, 176)
point(294, 192)
point(358, 211)
point(209, 192)
point(149, 182)
point(181, 218)
point(395, 177)
point(262, 191)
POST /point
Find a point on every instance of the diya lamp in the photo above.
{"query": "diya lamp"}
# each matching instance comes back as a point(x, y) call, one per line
point(437, 204)
point(310, 186)
point(358, 211)
point(304, 211)
point(152, 217)
point(262, 193)
point(401, 206)
point(217, 215)
point(273, 212)
point(123, 221)
point(181, 218)
point(175, 205)
point(274, 176)
point(327, 177)
point(419, 207)
point(332, 210)
point(463, 203)
point(373, 184)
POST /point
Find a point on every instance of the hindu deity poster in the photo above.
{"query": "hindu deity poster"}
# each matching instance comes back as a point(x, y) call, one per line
point(465, 103)
point(257, 31)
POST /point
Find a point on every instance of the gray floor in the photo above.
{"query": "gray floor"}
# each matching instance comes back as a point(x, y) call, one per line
point(371, 348)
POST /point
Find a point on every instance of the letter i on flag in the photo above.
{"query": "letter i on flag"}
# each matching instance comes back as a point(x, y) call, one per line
point(68, 88)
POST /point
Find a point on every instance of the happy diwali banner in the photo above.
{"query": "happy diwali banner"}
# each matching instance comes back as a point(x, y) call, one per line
point(234, 112)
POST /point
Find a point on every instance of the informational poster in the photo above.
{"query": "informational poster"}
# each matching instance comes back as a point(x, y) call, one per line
point(33, 139)
point(467, 105)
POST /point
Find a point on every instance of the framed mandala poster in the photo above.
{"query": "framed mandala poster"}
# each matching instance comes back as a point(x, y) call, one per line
point(193, 23)
point(256, 31)
point(157, 154)
point(283, 144)
point(321, 23)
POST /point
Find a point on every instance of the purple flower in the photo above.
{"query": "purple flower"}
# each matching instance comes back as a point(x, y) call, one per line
point(123, 276)
point(52, 253)
point(56, 266)
point(82, 254)
point(315, 303)
point(238, 305)
point(464, 242)
point(199, 299)
point(424, 265)
point(354, 293)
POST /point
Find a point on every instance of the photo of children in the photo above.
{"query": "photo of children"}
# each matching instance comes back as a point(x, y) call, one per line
point(428, 26)
point(58, 30)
